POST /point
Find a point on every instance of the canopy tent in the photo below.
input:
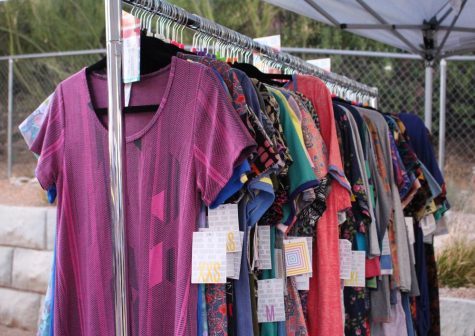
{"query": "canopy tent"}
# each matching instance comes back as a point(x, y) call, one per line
point(429, 28)
point(432, 29)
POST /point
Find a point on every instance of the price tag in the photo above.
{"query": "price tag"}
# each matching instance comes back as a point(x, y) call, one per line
point(226, 218)
point(345, 258)
point(264, 260)
point(297, 256)
point(357, 276)
point(410, 230)
point(270, 300)
point(234, 260)
point(130, 47)
point(208, 258)
point(428, 225)
point(386, 260)
point(279, 261)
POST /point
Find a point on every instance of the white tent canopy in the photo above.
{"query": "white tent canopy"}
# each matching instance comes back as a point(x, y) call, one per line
point(432, 29)
point(429, 28)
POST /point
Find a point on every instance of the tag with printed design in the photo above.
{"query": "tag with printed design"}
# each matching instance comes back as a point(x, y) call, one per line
point(345, 258)
point(208, 258)
point(357, 276)
point(270, 300)
point(297, 256)
point(264, 260)
point(226, 218)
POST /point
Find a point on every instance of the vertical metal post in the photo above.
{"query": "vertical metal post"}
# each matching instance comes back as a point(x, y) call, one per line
point(428, 96)
point(113, 11)
point(443, 107)
point(10, 119)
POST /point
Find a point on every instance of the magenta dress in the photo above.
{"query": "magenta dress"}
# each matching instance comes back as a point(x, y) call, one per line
point(176, 158)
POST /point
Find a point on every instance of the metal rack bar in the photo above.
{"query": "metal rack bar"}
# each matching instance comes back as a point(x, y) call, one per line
point(113, 9)
point(196, 23)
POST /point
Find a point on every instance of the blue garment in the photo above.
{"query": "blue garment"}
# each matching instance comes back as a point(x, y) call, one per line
point(407, 312)
point(242, 292)
point(423, 300)
point(421, 143)
point(233, 186)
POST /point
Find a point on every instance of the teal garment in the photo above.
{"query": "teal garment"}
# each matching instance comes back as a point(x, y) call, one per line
point(269, 328)
point(301, 175)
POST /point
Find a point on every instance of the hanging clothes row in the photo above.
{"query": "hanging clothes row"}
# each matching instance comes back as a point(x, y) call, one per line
point(298, 166)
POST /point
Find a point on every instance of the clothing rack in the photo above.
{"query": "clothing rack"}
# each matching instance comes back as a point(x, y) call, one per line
point(246, 43)
point(113, 12)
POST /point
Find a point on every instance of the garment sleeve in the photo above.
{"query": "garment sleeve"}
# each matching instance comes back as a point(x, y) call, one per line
point(49, 143)
point(221, 141)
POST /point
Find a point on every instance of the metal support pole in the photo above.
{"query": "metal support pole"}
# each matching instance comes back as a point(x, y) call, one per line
point(10, 119)
point(113, 10)
point(428, 96)
point(443, 107)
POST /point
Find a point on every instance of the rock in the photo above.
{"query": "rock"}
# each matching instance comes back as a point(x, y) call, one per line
point(457, 317)
point(50, 228)
point(31, 269)
point(19, 309)
point(23, 226)
point(6, 261)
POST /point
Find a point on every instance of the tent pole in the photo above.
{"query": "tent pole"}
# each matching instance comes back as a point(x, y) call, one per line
point(113, 11)
point(428, 96)
point(443, 107)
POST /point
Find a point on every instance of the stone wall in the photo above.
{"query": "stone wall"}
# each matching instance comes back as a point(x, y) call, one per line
point(26, 244)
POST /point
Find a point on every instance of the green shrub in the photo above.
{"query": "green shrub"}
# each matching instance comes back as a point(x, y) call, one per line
point(456, 264)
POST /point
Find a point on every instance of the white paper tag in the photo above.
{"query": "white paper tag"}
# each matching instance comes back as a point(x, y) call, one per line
point(357, 277)
point(127, 92)
point(428, 225)
point(345, 258)
point(279, 261)
point(386, 249)
point(410, 230)
point(270, 300)
point(264, 260)
point(236, 260)
point(226, 218)
point(131, 48)
point(341, 217)
point(208, 258)
point(302, 282)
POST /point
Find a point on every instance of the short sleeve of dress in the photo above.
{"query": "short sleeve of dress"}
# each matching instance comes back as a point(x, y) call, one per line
point(221, 141)
point(49, 143)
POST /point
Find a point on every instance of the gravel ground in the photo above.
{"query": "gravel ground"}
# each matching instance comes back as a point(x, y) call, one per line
point(5, 331)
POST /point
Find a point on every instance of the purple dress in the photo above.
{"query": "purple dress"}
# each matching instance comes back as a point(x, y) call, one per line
point(175, 158)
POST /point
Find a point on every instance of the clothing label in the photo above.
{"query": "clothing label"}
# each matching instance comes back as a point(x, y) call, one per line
point(225, 218)
point(127, 92)
point(234, 260)
point(345, 258)
point(410, 230)
point(385, 260)
point(341, 217)
point(208, 258)
point(131, 48)
point(264, 260)
point(386, 250)
point(270, 300)
point(279, 261)
point(428, 225)
point(297, 257)
point(302, 282)
point(357, 277)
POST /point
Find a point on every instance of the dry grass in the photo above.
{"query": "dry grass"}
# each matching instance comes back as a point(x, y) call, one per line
point(456, 263)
